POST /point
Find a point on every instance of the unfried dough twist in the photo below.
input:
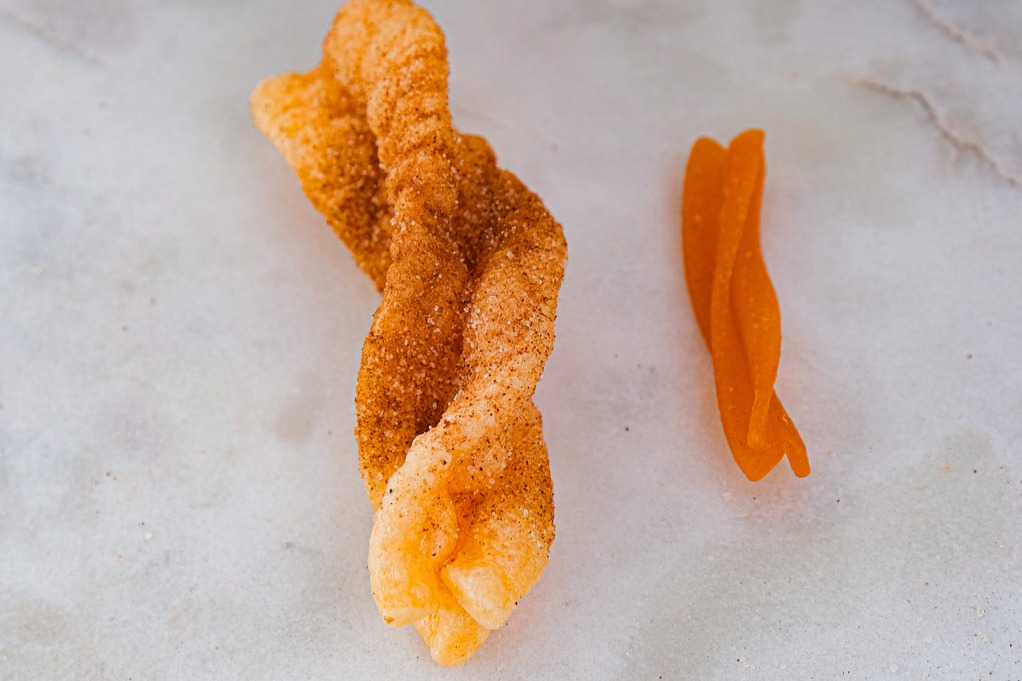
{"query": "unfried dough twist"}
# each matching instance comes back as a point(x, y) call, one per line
point(470, 262)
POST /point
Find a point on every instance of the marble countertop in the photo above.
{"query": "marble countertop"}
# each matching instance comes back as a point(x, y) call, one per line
point(180, 334)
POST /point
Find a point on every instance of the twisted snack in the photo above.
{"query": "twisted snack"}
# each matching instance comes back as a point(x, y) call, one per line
point(469, 261)
point(734, 301)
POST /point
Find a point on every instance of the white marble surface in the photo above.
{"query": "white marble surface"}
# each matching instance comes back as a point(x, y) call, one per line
point(179, 336)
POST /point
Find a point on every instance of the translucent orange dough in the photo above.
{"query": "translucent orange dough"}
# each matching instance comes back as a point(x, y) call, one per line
point(734, 302)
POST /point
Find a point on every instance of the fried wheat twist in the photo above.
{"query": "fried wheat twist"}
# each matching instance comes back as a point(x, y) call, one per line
point(469, 262)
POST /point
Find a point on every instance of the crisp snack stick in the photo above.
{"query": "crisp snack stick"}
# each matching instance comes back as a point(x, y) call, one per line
point(470, 262)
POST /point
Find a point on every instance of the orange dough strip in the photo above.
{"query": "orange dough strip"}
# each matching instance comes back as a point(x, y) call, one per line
point(734, 302)
point(755, 307)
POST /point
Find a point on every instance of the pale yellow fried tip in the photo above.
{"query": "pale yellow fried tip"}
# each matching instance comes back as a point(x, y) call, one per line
point(470, 263)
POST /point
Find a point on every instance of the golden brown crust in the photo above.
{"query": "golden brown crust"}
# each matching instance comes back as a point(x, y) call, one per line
point(317, 127)
point(450, 444)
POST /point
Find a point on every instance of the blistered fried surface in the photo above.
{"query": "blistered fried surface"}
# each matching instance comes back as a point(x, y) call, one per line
point(450, 443)
point(317, 127)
